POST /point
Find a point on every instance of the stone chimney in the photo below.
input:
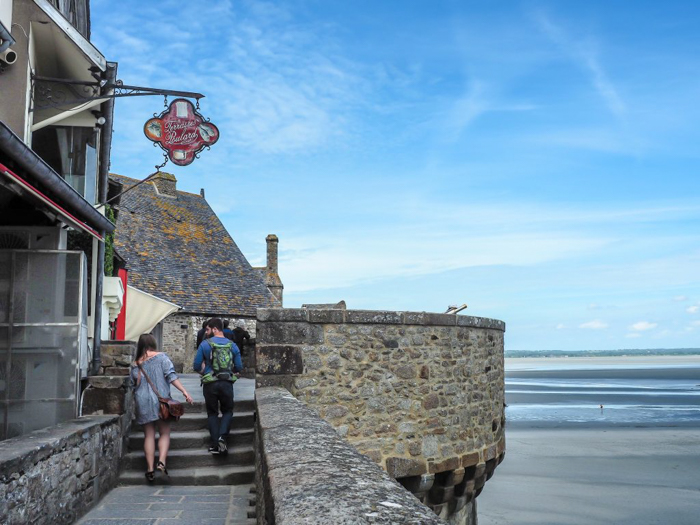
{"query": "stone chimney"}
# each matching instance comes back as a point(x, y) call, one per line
point(272, 278)
point(166, 184)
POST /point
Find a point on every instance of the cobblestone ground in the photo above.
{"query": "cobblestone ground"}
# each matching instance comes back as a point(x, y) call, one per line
point(167, 505)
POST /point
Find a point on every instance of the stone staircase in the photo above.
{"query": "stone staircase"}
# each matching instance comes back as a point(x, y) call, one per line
point(189, 462)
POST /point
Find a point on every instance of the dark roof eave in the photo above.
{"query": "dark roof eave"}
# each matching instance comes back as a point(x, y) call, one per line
point(38, 171)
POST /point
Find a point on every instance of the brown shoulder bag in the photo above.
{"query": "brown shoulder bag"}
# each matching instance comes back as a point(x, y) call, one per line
point(169, 409)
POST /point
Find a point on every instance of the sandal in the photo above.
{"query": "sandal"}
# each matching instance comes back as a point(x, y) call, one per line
point(151, 476)
point(161, 467)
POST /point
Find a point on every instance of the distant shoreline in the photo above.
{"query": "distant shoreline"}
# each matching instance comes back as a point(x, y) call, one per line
point(630, 352)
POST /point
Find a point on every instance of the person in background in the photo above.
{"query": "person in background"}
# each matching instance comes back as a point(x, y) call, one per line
point(241, 337)
point(201, 333)
point(218, 360)
point(160, 370)
point(228, 333)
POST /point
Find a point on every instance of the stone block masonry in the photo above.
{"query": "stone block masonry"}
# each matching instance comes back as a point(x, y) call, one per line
point(421, 394)
point(55, 475)
point(306, 474)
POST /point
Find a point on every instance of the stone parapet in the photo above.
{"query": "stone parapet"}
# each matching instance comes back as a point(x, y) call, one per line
point(55, 475)
point(320, 316)
point(421, 394)
point(307, 474)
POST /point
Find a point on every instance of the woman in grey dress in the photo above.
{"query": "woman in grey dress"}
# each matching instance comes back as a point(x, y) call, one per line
point(161, 372)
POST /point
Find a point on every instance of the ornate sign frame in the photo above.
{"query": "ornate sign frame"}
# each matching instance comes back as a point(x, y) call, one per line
point(181, 131)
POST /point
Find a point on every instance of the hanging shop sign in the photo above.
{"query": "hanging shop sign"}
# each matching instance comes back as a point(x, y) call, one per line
point(181, 131)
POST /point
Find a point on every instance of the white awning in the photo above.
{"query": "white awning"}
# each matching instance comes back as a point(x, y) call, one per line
point(143, 312)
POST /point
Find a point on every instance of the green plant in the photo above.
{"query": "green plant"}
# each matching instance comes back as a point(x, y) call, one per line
point(109, 244)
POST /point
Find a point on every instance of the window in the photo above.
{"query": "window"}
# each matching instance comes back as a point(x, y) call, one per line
point(72, 152)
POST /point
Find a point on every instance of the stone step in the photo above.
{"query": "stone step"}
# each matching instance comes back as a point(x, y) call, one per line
point(194, 457)
point(223, 475)
point(195, 439)
point(198, 421)
point(239, 405)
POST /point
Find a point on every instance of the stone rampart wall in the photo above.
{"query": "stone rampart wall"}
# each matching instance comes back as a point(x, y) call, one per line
point(421, 394)
point(307, 474)
point(55, 475)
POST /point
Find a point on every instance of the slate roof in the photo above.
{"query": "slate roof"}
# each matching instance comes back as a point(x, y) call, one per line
point(177, 249)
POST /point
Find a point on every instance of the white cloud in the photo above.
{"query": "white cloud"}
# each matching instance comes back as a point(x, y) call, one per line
point(561, 326)
point(632, 335)
point(680, 298)
point(596, 324)
point(352, 257)
point(695, 323)
point(594, 306)
point(642, 326)
point(693, 309)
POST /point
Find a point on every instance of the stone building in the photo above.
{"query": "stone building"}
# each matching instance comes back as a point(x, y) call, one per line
point(176, 249)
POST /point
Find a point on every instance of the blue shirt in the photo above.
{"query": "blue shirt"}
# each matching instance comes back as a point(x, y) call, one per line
point(204, 356)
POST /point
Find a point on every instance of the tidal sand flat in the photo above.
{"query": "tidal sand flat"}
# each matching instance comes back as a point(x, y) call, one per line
point(566, 476)
point(605, 391)
point(568, 461)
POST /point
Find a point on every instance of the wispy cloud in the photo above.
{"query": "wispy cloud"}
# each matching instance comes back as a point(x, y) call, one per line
point(680, 298)
point(586, 54)
point(693, 309)
point(596, 324)
point(478, 99)
point(642, 326)
point(462, 236)
point(288, 90)
point(352, 257)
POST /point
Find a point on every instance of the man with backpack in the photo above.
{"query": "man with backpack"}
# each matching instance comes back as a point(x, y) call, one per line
point(218, 360)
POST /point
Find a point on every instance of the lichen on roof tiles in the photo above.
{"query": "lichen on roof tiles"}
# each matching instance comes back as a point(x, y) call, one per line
point(178, 249)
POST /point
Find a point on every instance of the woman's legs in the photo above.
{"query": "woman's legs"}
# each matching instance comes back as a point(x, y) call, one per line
point(149, 444)
point(163, 441)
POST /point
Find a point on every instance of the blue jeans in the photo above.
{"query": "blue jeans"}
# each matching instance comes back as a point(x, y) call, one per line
point(218, 395)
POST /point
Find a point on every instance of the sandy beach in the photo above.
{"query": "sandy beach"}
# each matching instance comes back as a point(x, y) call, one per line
point(542, 363)
point(568, 476)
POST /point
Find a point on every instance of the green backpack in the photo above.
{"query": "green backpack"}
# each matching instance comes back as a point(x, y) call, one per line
point(222, 360)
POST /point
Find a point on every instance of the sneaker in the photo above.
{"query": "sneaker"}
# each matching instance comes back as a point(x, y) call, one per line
point(214, 450)
point(223, 449)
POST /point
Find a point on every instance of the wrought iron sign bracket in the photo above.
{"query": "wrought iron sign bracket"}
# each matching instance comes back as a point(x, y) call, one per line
point(84, 92)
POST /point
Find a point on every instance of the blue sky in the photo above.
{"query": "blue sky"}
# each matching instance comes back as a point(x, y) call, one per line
point(535, 160)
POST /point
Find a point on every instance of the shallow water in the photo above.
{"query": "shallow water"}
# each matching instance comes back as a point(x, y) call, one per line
point(562, 392)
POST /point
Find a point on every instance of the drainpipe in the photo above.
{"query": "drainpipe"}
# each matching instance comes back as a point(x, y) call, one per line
point(105, 147)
